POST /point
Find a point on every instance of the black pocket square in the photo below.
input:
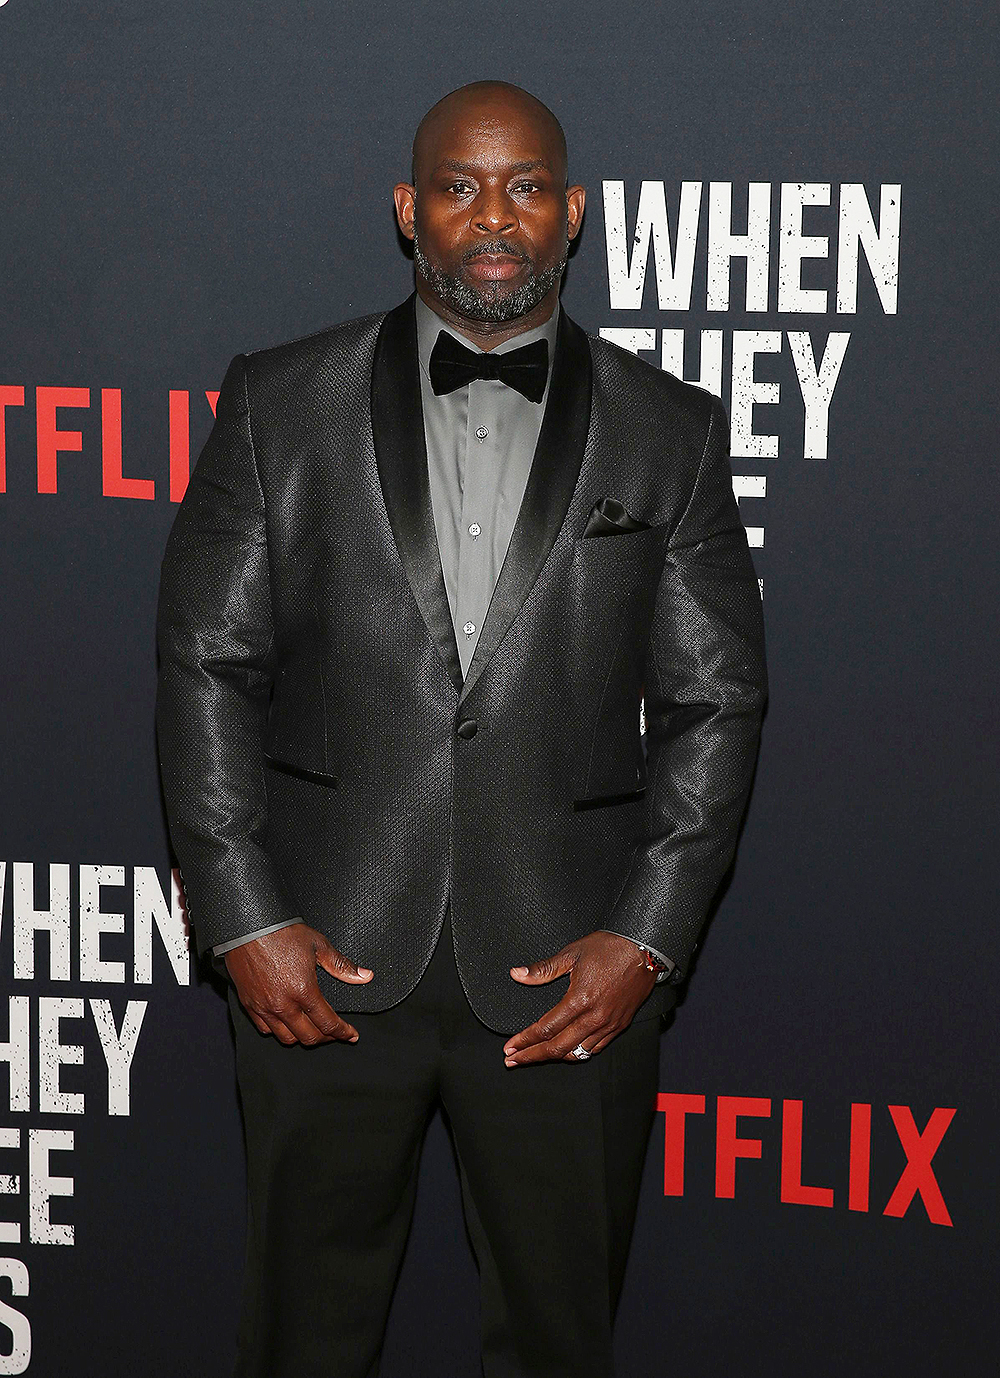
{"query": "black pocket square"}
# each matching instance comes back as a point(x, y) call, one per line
point(608, 517)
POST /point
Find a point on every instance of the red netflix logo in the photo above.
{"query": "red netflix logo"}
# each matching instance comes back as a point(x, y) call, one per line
point(919, 1146)
point(56, 436)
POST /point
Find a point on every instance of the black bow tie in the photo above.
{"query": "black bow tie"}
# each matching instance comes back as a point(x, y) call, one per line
point(453, 366)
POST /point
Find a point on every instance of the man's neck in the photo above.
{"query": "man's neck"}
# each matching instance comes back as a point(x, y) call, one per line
point(488, 334)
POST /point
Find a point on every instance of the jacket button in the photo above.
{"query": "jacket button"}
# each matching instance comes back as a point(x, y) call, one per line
point(468, 728)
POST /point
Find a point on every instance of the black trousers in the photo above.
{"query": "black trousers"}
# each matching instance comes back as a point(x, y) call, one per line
point(550, 1159)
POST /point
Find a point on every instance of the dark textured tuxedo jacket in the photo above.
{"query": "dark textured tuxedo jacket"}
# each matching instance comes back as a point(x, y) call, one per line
point(321, 754)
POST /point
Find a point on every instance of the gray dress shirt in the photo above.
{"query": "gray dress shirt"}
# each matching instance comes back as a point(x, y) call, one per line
point(481, 440)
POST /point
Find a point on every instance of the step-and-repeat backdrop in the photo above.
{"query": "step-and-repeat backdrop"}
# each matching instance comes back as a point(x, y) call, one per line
point(792, 205)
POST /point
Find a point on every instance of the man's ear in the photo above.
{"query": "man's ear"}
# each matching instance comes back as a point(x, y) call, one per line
point(404, 196)
point(576, 197)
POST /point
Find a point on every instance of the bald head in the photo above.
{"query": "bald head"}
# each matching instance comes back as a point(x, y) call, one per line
point(486, 104)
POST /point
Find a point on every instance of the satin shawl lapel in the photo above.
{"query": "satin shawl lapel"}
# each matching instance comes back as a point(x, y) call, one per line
point(555, 469)
point(401, 455)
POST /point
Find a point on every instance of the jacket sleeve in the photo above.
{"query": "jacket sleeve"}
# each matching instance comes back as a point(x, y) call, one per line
point(215, 639)
point(705, 688)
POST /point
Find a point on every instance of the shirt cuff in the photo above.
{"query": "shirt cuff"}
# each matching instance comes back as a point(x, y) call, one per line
point(220, 948)
point(668, 964)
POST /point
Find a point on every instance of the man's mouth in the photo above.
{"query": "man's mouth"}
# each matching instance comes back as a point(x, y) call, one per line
point(490, 266)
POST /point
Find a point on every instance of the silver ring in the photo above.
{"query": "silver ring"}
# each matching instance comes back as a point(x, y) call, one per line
point(580, 1053)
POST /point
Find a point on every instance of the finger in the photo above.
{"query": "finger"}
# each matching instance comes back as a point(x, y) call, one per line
point(593, 1045)
point(328, 1021)
point(303, 1028)
point(550, 1024)
point(340, 966)
point(557, 1047)
point(538, 973)
point(278, 1027)
point(609, 1038)
point(255, 1015)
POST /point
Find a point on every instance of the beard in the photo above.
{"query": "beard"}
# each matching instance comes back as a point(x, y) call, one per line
point(492, 302)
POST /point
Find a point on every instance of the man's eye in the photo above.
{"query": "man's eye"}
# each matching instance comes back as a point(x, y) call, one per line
point(460, 187)
point(526, 186)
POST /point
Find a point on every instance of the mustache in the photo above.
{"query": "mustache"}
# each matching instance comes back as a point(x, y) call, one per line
point(492, 246)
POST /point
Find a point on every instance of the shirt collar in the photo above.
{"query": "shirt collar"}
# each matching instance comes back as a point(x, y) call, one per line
point(429, 324)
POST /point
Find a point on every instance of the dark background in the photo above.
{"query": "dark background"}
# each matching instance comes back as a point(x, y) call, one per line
point(184, 181)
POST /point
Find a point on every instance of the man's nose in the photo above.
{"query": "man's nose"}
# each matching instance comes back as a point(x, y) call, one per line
point(494, 213)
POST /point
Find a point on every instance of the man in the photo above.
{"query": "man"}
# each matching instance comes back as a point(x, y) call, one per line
point(429, 564)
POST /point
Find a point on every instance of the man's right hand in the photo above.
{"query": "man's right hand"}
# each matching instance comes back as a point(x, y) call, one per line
point(275, 978)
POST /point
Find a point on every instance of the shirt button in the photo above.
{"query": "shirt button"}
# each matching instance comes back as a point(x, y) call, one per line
point(475, 529)
point(469, 628)
point(482, 433)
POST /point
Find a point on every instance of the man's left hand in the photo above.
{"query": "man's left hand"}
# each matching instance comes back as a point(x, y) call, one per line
point(608, 981)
